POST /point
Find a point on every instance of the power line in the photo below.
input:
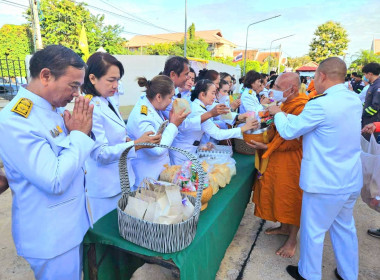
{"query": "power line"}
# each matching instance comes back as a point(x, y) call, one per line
point(137, 18)
point(116, 14)
point(14, 4)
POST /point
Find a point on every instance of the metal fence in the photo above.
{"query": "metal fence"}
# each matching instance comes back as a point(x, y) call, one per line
point(12, 76)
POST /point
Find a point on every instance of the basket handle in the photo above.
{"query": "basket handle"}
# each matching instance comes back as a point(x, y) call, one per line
point(124, 178)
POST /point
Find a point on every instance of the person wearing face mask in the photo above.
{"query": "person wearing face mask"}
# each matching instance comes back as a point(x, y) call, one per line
point(276, 192)
point(202, 96)
point(372, 101)
point(100, 84)
point(249, 100)
point(147, 115)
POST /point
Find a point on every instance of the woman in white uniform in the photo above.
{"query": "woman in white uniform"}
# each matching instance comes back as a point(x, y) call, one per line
point(249, 100)
point(147, 116)
point(203, 95)
point(100, 83)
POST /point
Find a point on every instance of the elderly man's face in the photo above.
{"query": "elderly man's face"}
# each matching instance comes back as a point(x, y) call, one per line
point(284, 86)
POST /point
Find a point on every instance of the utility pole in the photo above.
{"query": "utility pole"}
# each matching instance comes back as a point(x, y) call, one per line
point(185, 43)
point(36, 25)
point(279, 60)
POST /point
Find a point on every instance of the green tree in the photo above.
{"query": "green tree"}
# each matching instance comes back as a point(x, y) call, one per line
point(295, 62)
point(196, 48)
point(62, 20)
point(163, 49)
point(191, 31)
point(330, 39)
point(364, 57)
point(16, 43)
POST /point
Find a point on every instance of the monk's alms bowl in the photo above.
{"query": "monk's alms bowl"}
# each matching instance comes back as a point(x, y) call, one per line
point(263, 135)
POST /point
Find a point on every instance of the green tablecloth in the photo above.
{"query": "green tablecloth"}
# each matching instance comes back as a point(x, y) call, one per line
point(201, 260)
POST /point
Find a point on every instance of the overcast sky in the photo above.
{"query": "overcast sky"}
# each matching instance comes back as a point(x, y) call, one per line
point(361, 19)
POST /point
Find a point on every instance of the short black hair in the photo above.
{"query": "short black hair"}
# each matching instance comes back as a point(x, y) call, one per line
point(372, 67)
point(98, 65)
point(56, 58)
point(354, 73)
point(176, 64)
point(272, 73)
point(251, 77)
point(201, 86)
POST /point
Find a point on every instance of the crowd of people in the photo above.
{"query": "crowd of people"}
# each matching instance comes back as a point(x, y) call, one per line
point(62, 167)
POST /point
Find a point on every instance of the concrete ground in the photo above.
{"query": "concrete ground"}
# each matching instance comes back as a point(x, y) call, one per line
point(262, 264)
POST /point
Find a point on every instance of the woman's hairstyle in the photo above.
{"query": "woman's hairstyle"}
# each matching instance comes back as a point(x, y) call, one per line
point(205, 74)
point(224, 75)
point(251, 77)
point(193, 71)
point(201, 86)
point(222, 83)
point(98, 65)
point(272, 80)
point(159, 84)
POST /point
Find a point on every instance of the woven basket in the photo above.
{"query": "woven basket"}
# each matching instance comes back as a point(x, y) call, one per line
point(158, 237)
point(242, 148)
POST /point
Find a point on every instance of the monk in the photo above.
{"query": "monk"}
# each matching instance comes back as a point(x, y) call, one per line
point(277, 195)
point(311, 90)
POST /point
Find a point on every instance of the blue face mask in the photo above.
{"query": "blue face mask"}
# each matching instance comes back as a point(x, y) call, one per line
point(365, 79)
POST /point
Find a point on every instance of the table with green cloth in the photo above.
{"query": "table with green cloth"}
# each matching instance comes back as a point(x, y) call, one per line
point(108, 256)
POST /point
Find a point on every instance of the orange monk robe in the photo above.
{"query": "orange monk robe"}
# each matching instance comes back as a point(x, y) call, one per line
point(311, 89)
point(277, 195)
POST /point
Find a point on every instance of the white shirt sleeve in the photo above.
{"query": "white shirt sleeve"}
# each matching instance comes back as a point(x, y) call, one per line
point(220, 134)
point(290, 127)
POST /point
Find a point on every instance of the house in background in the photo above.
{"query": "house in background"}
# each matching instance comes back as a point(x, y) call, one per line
point(263, 56)
point(218, 46)
point(308, 69)
point(375, 47)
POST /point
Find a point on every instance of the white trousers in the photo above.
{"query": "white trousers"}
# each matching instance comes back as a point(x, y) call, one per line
point(63, 267)
point(102, 206)
point(333, 213)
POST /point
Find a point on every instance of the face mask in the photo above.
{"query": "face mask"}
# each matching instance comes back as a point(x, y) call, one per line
point(223, 99)
point(278, 95)
point(365, 79)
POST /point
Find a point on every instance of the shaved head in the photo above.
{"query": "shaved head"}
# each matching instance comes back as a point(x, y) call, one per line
point(289, 79)
point(334, 68)
point(289, 83)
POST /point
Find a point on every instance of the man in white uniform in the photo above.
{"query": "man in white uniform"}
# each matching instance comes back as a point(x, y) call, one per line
point(44, 153)
point(331, 171)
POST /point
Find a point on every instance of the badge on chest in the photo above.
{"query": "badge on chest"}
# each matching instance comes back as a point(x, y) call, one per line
point(55, 132)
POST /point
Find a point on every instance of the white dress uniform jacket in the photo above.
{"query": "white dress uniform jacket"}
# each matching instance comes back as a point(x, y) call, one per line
point(330, 126)
point(189, 140)
point(249, 102)
point(149, 162)
point(44, 166)
point(103, 165)
point(331, 177)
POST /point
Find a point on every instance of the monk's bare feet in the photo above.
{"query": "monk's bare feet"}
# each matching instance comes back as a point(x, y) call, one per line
point(281, 230)
point(288, 249)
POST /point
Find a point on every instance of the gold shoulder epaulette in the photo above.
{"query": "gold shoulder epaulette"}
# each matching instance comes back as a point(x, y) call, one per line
point(23, 107)
point(144, 110)
point(250, 91)
point(89, 96)
point(317, 96)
